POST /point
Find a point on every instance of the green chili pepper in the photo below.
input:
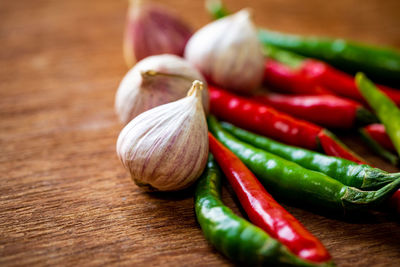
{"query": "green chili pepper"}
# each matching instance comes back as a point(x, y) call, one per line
point(293, 182)
point(384, 107)
point(345, 171)
point(235, 237)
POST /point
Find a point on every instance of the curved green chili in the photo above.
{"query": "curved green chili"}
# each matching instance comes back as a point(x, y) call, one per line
point(345, 171)
point(235, 237)
point(384, 107)
point(293, 182)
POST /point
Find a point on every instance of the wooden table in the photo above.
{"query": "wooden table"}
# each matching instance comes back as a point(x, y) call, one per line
point(65, 199)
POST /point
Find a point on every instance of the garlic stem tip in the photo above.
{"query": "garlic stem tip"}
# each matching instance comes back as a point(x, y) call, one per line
point(196, 86)
point(148, 73)
point(246, 13)
point(135, 2)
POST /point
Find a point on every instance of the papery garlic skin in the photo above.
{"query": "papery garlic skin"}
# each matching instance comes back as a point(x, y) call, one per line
point(227, 52)
point(166, 148)
point(153, 29)
point(154, 81)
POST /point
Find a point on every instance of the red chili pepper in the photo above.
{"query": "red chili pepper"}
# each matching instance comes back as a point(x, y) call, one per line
point(263, 119)
point(326, 110)
point(262, 208)
point(339, 82)
point(334, 147)
point(377, 132)
point(286, 79)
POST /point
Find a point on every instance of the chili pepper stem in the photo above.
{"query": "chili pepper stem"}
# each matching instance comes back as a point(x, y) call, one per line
point(355, 198)
point(364, 116)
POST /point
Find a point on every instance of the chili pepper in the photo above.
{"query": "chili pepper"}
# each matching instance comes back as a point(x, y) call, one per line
point(312, 74)
point(345, 171)
point(378, 133)
point(263, 119)
point(293, 182)
point(270, 122)
point(339, 82)
point(263, 210)
point(326, 110)
point(380, 63)
point(235, 237)
point(375, 136)
point(385, 109)
point(286, 79)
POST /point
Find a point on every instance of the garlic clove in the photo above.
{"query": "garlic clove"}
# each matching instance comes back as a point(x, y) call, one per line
point(153, 29)
point(166, 148)
point(227, 52)
point(154, 81)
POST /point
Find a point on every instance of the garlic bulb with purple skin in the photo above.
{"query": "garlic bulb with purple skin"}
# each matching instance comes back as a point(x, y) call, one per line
point(154, 81)
point(227, 52)
point(152, 29)
point(166, 148)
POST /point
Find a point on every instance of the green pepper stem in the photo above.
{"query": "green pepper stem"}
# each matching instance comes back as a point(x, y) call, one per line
point(355, 198)
point(364, 117)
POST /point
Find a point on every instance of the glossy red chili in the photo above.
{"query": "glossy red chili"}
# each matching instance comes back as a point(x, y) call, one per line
point(377, 132)
point(289, 80)
point(263, 119)
point(267, 121)
point(339, 82)
point(326, 110)
point(262, 208)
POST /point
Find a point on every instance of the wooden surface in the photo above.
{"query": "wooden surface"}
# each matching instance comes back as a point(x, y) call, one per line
point(65, 199)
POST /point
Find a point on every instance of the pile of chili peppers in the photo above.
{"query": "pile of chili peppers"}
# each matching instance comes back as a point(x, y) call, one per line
point(277, 148)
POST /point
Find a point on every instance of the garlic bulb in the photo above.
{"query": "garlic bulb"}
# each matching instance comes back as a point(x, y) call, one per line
point(228, 53)
point(154, 81)
point(166, 148)
point(151, 30)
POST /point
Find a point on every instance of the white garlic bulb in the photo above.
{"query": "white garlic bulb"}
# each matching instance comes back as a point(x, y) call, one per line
point(154, 81)
point(227, 52)
point(153, 29)
point(166, 148)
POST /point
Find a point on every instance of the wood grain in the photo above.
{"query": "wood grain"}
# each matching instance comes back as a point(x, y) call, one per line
point(64, 197)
